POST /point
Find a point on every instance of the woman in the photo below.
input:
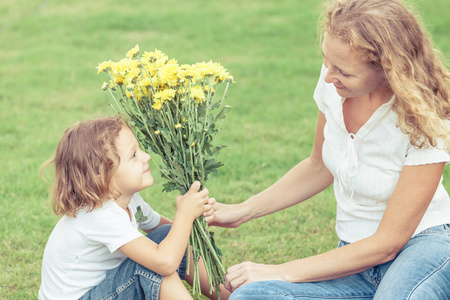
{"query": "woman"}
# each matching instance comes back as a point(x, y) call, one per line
point(382, 138)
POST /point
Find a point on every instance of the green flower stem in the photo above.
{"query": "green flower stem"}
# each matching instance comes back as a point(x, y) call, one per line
point(157, 73)
point(148, 74)
point(115, 100)
point(207, 240)
point(147, 129)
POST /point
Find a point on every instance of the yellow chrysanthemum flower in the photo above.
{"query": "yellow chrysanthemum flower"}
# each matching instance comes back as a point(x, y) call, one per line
point(165, 95)
point(188, 72)
point(230, 79)
point(132, 76)
point(168, 75)
point(198, 94)
point(161, 61)
point(133, 52)
point(118, 80)
point(206, 68)
point(155, 55)
point(125, 65)
point(142, 93)
point(157, 105)
point(150, 69)
point(146, 82)
point(105, 66)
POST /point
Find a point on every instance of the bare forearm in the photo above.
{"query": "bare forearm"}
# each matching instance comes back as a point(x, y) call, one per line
point(337, 263)
point(164, 258)
point(178, 236)
point(302, 182)
point(169, 253)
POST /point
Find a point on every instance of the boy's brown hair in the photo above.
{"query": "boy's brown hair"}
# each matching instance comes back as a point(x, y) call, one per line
point(85, 162)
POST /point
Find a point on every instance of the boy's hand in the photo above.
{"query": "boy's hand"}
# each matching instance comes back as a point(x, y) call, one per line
point(194, 202)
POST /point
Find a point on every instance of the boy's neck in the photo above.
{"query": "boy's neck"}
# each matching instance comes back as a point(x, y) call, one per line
point(123, 201)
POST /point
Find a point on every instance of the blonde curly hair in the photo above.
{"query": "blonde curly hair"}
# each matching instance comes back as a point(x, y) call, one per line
point(85, 162)
point(391, 38)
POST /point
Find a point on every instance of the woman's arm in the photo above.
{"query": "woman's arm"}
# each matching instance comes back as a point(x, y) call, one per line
point(407, 205)
point(165, 258)
point(303, 181)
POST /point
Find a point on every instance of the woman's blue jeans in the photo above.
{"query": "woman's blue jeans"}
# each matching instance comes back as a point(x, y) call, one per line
point(421, 271)
point(130, 280)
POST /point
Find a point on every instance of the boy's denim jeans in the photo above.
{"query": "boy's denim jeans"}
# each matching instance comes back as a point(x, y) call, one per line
point(421, 271)
point(130, 280)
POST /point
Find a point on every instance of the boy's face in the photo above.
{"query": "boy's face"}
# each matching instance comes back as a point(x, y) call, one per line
point(133, 173)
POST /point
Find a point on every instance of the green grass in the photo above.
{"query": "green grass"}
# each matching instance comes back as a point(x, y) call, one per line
point(48, 54)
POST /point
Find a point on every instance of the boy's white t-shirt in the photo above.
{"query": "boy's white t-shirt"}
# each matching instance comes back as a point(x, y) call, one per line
point(366, 166)
point(80, 250)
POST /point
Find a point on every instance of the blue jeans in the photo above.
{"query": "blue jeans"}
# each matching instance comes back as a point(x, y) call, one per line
point(130, 280)
point(421, 271)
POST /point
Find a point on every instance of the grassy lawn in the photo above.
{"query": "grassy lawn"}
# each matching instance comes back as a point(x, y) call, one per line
point(48, 53)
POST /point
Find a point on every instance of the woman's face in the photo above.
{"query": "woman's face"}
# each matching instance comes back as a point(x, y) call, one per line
point(350, 75)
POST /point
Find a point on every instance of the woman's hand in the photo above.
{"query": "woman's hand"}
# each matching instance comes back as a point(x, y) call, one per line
point(247, 272)
point(209, 213)
point(225, 215)
point(194, 202)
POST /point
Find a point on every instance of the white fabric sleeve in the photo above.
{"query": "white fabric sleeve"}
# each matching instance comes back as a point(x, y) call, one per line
point(423, 156)
point(112, 228)
point(152, 217)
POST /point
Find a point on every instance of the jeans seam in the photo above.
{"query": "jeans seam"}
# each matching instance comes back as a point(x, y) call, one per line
point(120, 289)
point(429, 275)
point(431, 230)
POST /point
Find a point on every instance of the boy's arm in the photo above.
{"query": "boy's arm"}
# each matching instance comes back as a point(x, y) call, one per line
point(162, 221)
point(165, 258)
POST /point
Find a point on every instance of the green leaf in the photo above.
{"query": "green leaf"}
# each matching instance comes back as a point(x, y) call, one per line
point(169, 187)
point(222, 113)
point(212, 164)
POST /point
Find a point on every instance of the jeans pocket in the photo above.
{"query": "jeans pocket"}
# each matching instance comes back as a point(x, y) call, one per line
point(443, 229)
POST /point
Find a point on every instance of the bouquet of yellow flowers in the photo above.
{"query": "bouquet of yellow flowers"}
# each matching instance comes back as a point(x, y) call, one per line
point(174, 112)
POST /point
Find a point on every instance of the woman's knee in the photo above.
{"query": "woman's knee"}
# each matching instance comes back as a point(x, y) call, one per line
point(436, 286)
point(261, 290)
